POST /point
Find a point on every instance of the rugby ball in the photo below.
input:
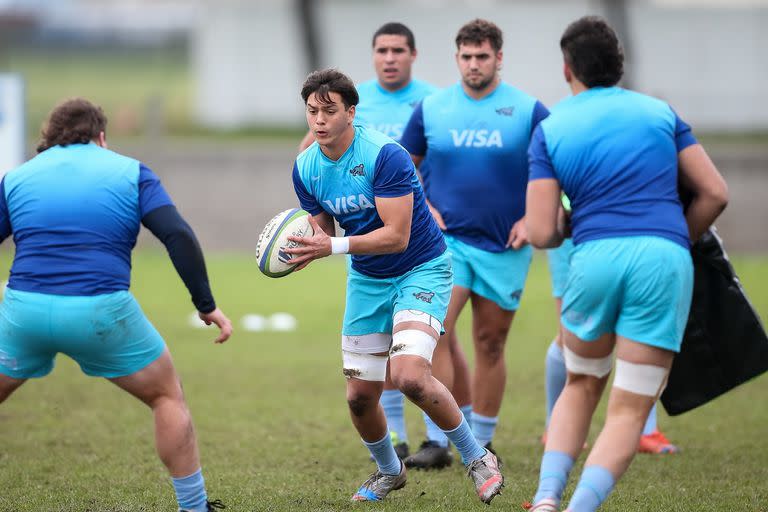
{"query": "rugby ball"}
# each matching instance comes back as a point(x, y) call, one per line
point(273, 240)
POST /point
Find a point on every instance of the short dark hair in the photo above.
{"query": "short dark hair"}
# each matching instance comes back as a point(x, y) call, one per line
point(593, 52)
point(395, 29)
point(477, 31)
point(74, 121)
point(326, 81)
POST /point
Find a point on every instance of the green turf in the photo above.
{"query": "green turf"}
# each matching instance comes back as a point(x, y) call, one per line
point(272, 421)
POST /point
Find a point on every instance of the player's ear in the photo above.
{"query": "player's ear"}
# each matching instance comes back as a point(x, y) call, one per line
point(567, 73)
point(350, 114)
point(499, 59)
point(102, 140)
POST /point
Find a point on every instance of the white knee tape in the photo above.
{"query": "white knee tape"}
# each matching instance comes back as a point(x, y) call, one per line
point(414, 315)
point(412, 342)
point(597, 367)
point(641, 379)
point(375, 343)
point(364, 366)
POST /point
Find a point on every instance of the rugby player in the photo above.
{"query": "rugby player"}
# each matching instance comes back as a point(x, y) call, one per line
point(74, 212)
point(399, 283)
point(470, 141)
point(617, 155)
point(386, 105)
point(653, 440)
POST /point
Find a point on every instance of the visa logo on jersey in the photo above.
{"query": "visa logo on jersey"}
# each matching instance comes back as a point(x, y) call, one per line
point(476, 138)
point(348, 204)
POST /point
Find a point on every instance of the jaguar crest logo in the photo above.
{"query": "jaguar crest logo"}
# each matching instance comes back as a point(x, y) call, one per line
point(358, 170)
point(425, 296)
point(505, 111)
point(517, 294)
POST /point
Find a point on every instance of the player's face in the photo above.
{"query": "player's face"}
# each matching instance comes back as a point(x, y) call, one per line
point(328, 121)
point(392, 59)
point(478, 64)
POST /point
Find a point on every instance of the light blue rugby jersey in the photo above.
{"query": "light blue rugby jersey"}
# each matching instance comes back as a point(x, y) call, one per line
point(75, 213)
point(615, 153)
point(373, 166)
point(476, 169)
point(389, 111)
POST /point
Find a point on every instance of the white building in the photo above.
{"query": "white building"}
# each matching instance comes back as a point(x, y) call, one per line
point(706, 57)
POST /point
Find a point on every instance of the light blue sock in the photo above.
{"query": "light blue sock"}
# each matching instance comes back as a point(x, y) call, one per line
point(554, 376)
point(466, 410)
point(190, 492)
point(392, 400)
point(465, 442)
point(484, 427)
point(434, 433)
point(384, 454)
point(593, 488)
point(555, 467)
point(650, 423)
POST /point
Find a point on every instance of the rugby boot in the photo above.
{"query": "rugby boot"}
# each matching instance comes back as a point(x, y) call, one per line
point(402, 450)
point(487, 477)
point(430, 456)
point(211, 505)
point(545, 505)
point(656, 443)
point(489, 447)
point(379, 485)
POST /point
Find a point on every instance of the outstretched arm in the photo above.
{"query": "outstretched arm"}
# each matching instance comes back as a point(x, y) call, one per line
point(184, 250)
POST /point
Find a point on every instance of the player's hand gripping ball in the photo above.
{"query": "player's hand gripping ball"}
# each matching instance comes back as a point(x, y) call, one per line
point(273, 240)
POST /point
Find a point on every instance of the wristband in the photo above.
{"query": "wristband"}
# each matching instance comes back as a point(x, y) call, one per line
point(339, 245)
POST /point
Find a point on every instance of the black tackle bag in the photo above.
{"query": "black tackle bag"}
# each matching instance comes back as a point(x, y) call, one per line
point(725, 343)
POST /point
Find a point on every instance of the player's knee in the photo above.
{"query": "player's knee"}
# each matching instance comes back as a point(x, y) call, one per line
point(412, 387)
point(590, 385)
point(359, 403)
point(489, 344)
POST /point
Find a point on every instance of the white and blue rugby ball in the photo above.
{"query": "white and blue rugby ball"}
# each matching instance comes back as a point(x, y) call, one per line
point(273, 240)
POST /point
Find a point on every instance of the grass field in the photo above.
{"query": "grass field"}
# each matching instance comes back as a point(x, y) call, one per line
point(272, 421)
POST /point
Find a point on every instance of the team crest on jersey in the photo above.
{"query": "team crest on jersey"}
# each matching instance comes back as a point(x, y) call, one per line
point(358, 170)
point(517, 294)
point(425, 296)
point(505, 111)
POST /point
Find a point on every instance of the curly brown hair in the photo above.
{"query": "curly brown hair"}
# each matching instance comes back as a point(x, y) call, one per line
point(479, 30)
point(74, 121)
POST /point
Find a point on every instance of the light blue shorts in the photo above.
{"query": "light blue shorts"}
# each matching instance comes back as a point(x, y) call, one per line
point(638, 287)
point(372, 302)
point(108, 335)
point(497, 276)
point(559, 263)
